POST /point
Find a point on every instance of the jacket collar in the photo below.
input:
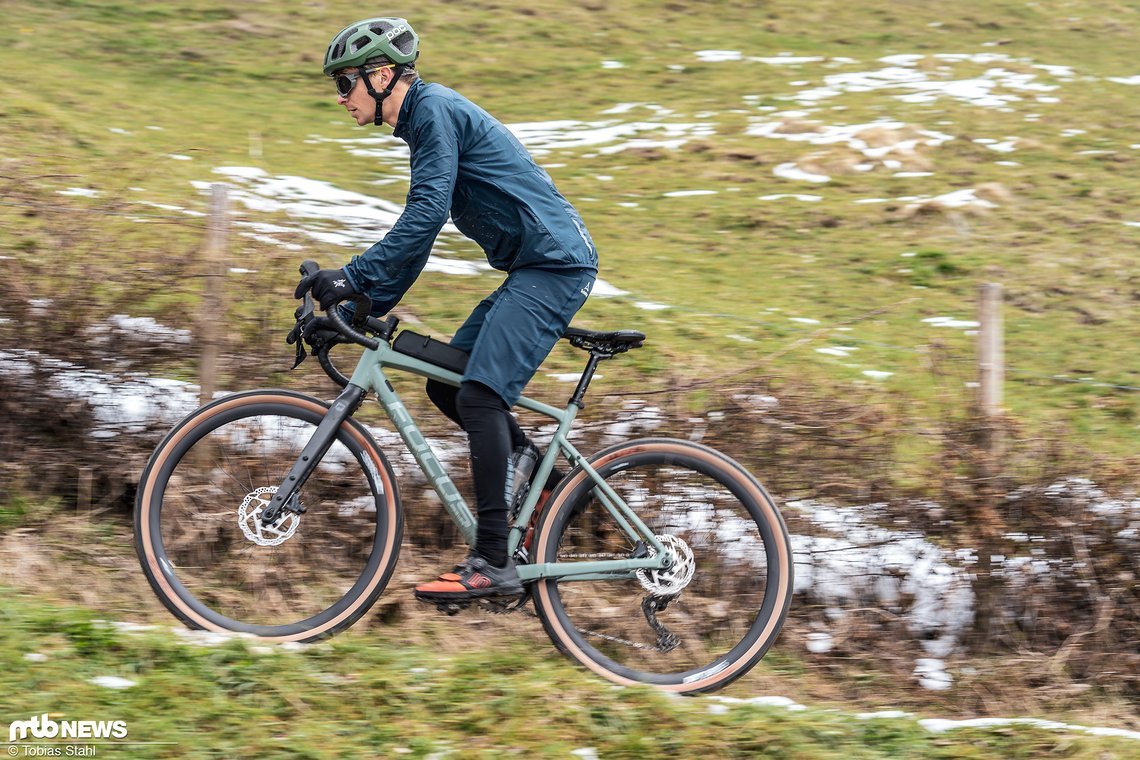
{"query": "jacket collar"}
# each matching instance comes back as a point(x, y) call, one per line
point(406, 108)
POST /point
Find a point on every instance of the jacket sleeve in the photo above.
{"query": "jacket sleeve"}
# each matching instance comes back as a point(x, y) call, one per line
point(434, 146)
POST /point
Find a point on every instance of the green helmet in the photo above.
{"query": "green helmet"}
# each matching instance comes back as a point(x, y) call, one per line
point(390, 39)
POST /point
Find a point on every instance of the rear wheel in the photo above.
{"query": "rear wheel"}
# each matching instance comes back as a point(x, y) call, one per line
point(696, 626)
point(214, 564)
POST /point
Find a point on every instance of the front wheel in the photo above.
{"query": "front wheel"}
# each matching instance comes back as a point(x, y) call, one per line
point(695, 626)
point(207, 554)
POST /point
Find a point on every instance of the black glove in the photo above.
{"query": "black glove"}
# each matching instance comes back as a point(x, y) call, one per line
point(317, 332)
point(329, 286)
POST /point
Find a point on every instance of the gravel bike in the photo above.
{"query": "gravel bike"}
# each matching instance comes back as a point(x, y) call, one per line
point(276, 514)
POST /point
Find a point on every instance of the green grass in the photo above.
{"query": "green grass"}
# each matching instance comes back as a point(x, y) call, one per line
point(219, 78)
point(425, 694)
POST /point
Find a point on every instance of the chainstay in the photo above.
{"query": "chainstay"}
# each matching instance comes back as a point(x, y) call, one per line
point(666, 640)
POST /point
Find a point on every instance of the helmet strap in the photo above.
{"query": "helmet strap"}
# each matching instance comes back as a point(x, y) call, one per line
point(382, 95)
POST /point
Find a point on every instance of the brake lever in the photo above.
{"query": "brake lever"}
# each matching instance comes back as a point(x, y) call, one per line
point(303, 316)
point(308, 267)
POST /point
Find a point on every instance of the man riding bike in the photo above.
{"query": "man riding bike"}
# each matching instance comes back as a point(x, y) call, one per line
point(464, 163)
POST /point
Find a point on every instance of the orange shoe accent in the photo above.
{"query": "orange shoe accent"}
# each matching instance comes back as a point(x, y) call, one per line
point(473, 578)
point(444, 587)
point(478, 580)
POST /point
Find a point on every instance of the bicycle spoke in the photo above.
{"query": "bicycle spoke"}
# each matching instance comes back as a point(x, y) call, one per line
point(217, 561)
point(677, 624)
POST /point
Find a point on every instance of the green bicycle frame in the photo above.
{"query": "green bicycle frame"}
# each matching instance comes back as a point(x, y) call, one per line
point(369, 376)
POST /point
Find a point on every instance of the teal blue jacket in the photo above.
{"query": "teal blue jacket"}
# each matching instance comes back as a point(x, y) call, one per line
point(467, 164)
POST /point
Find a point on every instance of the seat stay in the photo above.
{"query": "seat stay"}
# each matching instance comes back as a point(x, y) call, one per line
point(626, 518)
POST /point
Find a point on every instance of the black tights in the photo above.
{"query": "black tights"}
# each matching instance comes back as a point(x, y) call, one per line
point(492, 433)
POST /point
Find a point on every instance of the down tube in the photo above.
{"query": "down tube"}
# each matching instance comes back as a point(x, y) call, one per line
point(452, 500)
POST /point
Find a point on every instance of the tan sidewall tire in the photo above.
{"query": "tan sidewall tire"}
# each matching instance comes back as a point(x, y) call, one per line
point(782, 551)
point(144, 513)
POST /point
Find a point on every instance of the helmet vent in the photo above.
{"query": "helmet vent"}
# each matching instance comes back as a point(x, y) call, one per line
point(360, 42)
point(404, 43)
point(340, 44)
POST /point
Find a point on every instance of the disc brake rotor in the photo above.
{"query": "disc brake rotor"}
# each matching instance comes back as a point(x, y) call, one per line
point(249, 519)
point(669, 581)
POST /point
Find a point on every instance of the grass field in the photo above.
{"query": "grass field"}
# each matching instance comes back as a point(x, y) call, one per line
point(810, 191)
point(1027, 112)
point(432, 695)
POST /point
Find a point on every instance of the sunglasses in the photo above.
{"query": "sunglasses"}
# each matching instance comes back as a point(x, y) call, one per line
point(346, 81)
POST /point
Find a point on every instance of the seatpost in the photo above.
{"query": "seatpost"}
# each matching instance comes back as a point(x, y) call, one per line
point(587, 376)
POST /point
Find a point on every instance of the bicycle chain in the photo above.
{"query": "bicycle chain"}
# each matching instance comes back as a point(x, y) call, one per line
point(667, 641)
point(616, 640)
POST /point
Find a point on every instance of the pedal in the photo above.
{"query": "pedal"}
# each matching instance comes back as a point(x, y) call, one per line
point(501, 605)
point(451, 608)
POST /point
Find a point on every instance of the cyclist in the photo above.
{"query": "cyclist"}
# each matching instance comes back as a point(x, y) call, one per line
point(465, 162)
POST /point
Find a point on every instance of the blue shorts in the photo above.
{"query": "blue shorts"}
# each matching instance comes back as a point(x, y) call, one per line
point(511, 332)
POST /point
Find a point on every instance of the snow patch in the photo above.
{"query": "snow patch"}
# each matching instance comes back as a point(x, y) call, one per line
point(862, 563)
point(996, 87)
point(932, 674)
point(112, 682)
point(794, 196)
point(951, 322)
point(718, 56)
point(81, 192)
point(791, 171)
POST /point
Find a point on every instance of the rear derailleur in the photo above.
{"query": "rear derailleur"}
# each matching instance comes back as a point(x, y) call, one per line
point(667, 641)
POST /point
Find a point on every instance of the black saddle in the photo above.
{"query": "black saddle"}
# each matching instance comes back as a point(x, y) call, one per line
point(604, 343)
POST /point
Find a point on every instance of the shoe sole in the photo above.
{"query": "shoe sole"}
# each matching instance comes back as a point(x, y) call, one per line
point(459, 596)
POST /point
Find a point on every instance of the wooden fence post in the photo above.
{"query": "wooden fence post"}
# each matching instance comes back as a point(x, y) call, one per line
point(213, 306)
point(991, 350)
point(986, 518)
